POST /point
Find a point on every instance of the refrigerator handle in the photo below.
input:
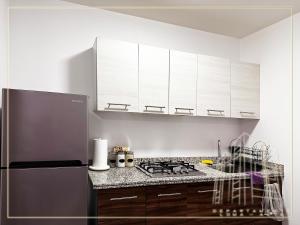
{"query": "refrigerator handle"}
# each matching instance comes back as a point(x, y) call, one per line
point(44, 164)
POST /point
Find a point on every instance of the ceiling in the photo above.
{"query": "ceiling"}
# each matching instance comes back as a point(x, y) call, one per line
point(236, 18)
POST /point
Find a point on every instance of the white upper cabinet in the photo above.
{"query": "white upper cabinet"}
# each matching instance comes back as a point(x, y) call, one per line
point(245, 90)
point(117, 75)
point(183, 83)
point(213, 86)
point(153, 79)
point(147, 79)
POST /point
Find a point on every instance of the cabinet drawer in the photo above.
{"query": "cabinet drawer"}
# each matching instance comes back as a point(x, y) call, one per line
point(122, 222)
point(174, 221)
point(121, 202)
point(205, 221)
point(239, 221)
point(168, 200)
point(200, 200)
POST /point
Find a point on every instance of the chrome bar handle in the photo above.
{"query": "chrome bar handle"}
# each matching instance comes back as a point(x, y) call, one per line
point(206, 191)
point(118, 104)
point(124, 198)
point(184, 109)
point(170, 194)
point(155, 107)
point(215, 112)
point(249, 113)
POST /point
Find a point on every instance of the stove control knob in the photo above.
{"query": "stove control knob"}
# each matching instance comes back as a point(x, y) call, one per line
point(261, 212)
point(228, 212)
point(221, 212)
point(214, 211)
point(252, 212)
point(234, 212)
point(241, 212)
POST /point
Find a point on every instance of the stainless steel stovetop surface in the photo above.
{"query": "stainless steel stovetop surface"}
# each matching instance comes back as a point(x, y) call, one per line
point(162, 169)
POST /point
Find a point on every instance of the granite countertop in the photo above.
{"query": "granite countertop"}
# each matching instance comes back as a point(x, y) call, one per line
point(133, 177)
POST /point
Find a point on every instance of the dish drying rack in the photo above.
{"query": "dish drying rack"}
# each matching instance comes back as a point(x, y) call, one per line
point(258, 152)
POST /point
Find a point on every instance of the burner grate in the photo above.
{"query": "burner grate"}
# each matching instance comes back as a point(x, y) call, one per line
point(168, 168)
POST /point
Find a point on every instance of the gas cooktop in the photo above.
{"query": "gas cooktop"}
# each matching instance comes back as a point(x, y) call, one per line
point(169, 169)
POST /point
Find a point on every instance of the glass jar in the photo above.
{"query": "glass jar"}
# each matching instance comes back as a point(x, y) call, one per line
point(112, 159)
point(129, 159)
point(121, 159)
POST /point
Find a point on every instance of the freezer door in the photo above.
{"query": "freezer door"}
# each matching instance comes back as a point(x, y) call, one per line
point(43, 126)
point(44, 192)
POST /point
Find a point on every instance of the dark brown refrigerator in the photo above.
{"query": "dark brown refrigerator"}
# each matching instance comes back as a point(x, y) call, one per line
point(44, 179)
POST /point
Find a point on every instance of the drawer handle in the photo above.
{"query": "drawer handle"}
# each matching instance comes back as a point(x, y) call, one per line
point(171, 194)
point(161, 108)
point(124, 198)
point(184, 109)
point(249, 113)
point(206, 191)
point(215, 112)
point(125, 106)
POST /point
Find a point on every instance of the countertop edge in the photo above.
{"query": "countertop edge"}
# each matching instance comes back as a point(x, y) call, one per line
point(166, 182)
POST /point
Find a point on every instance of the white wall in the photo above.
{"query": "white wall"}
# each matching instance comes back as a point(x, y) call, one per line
point(3, 43)
point(296, 121)
point(51, 50)
point(272, 49)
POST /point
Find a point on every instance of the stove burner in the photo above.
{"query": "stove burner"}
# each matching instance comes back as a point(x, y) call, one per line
point(168, 168)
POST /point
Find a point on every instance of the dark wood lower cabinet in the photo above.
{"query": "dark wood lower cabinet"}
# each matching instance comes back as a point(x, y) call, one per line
point(200, 204)
point(166, 221)
point(204, 222)
point(254, 221)
point(166, 201)
point(180, 204)
point(121, 222)
point(125, 202)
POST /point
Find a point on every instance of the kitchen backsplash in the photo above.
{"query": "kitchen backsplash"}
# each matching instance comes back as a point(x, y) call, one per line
point(164, 136)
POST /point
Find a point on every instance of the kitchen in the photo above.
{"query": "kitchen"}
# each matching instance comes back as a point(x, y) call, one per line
point(61, 60)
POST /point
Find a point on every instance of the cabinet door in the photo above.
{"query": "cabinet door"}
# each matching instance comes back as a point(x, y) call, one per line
point(200, 199)
point(117, 75)
point(246, 202)
point(252, 221)
point(245, 90)
point(213, 86)
point(200, 204)
point(183, 83)
point(166, 201)
point(153, 79)
point(126, 202)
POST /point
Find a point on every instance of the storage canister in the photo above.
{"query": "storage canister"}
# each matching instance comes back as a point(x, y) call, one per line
point(129, 162)
point(112, 159)
point(121, 159)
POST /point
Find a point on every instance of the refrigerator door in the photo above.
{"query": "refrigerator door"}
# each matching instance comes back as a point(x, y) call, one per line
point(44, 192)
point(43, 126)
